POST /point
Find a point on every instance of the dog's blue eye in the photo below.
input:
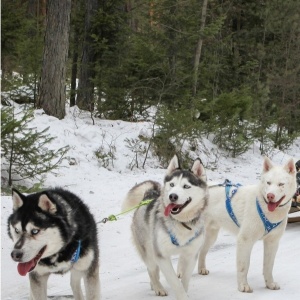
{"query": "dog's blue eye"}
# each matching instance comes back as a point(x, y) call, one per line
point(34, 231)
point(186, 186)
point(171, 184)
point(17, 231)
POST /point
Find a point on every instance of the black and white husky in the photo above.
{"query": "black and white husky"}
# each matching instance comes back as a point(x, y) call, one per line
point(171, 224)
point(54, 232)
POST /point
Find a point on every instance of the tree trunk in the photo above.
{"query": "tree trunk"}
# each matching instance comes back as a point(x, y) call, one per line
point(74, 68)
point(199, 47)
point(85, 94)
point(75, 42)
point(52, 94)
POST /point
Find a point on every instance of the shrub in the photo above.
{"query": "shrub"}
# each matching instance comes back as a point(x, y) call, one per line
point(24, 149)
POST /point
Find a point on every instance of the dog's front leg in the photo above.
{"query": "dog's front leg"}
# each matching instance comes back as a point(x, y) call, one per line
point(211, 234)
point(244, 248)
point(92, 284)
point(76, 284)
point(188, 264)
point(270, 250)
point(38, 286)
point(166, 267)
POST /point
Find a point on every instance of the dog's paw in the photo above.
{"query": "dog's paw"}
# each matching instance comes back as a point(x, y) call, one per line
point(203, 271)
point(161, 292)
point(245, 288)
point(273, 286)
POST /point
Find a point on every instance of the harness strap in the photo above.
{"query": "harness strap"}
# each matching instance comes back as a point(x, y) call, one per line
point(229, 209)
point(76, 254)
point(269, 226)
point(175, 241)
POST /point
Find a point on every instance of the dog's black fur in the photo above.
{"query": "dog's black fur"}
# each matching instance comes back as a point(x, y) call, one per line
point(72, 219)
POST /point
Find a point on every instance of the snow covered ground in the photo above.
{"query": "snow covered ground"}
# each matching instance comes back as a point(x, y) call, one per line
point(123, 275)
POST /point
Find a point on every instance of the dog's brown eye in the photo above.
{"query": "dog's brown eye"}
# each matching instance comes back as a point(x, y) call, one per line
point(171, 184)
point(34, 231)
point(268, 182)
point(17, 230)
point(281, 184)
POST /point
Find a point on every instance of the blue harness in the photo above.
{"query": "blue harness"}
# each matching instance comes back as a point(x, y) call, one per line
point(228, 186)
point(76, 254)
point(175, 241)
point(269, 226)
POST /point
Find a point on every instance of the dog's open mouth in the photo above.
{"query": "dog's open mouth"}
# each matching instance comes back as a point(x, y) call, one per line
point(273, 205)
point(175, 209)
point(24, 268)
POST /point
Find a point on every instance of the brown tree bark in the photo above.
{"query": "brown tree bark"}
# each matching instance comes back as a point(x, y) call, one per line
point(85, 93)
point(199, 47)
point(75, 55)
point(52, 93)
point(74, 69)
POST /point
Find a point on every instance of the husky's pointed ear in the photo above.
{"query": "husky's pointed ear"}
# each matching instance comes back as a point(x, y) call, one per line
point(17, 199)
point(267, 165)
point(290, 166)
point(46, 204)
point(173, 165)
point(198, 169)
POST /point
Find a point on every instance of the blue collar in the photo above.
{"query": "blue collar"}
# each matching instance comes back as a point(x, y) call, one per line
point(76, 254)
point(175, 241)
point(268, 225)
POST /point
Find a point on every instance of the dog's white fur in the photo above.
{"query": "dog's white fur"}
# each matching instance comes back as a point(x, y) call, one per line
point(52, 238)
point(276, 182)
point(150, 228)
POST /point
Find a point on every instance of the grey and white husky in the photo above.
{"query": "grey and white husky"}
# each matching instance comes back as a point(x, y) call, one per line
point(171, 224)
point(251, 212)
point(54, 232)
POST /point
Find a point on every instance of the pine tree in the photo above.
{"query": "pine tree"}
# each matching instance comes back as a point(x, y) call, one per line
point(85, 93)
point(52, 94)
point(24, 150)
point(21, 45)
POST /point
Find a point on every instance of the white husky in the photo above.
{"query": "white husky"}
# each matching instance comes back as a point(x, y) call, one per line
point(171, 224)
point(252, 213)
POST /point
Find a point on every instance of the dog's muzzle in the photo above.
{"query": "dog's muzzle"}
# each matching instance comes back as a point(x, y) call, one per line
point(273, 205)
point(176, 209)
point(25, 267)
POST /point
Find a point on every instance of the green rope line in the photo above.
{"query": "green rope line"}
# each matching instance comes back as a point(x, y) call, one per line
point(114, 217)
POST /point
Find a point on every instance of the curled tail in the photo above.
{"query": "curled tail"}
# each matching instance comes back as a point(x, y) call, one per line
point(145, 190)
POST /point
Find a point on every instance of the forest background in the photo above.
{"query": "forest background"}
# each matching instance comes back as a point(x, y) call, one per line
point(222, 68)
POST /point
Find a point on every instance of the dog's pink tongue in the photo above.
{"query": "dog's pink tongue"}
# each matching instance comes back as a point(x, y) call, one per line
point(272, 206)
point(23, 268)
point(169, 208)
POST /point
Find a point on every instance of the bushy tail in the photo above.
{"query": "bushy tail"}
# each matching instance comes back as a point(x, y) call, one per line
point(139, 192)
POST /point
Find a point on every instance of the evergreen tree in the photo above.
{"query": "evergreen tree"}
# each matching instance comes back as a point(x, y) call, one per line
point(52, 94)
point(76, 37)
point(21, 45)
point(283, 68)
point(24, 150)
point(111, 74)
point(233, 132)
point(85, 94)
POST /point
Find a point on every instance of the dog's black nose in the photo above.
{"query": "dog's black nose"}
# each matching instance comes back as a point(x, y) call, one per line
point(17, 255)
point(173, 197)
